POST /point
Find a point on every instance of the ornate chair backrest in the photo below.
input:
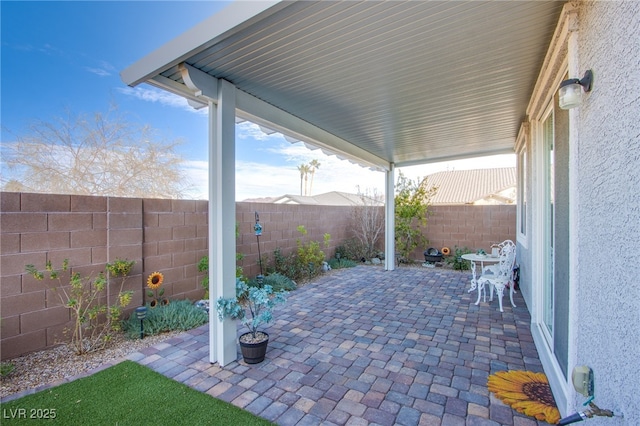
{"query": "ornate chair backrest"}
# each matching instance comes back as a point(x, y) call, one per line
point(507, 258)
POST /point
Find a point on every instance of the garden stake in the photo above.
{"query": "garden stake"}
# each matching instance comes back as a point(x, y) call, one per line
point(258, 228)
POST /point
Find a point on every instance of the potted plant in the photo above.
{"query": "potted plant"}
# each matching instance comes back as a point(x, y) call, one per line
point(253, 306)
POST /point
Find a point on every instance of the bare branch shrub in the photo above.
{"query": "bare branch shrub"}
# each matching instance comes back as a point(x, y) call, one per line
point(99, 155)
point(367, 221)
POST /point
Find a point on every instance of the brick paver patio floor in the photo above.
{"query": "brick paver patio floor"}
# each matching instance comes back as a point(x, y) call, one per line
point(364, 346)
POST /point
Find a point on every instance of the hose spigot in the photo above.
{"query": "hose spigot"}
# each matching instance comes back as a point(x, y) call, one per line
point(592, 411)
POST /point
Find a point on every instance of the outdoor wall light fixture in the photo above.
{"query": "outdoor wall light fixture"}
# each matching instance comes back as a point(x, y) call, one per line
point(570, 93)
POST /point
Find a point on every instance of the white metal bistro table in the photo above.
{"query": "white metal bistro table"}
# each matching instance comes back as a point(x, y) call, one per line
point(476, 259)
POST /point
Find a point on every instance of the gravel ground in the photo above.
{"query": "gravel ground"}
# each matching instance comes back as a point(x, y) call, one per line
point(54, 365)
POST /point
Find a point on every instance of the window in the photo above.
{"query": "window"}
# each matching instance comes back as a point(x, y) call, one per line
point(522, 147)
point(522, 192)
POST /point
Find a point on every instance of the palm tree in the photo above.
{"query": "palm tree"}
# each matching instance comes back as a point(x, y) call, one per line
point(304, 170)
point(314, 165)
point(307, 170)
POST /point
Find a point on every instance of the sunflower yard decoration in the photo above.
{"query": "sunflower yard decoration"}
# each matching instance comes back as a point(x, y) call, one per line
point(526, 392)
point(154, 282)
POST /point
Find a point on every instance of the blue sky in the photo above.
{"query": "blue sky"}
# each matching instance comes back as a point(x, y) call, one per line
point(68, 55)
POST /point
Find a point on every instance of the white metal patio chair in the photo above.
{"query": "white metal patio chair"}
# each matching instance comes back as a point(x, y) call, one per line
point(500, 275)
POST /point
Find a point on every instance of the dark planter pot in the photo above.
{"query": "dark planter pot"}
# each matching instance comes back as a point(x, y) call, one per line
point(432, 255)
point(254, 353)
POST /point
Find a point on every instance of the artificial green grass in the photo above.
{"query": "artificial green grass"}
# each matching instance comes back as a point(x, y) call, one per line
point(125, 394)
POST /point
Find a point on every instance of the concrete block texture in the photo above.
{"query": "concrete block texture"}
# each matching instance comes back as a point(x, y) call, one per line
point(170, 236)
point(9, 202)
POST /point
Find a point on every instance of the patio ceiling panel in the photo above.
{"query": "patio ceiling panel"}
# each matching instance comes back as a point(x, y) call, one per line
point(408, 81)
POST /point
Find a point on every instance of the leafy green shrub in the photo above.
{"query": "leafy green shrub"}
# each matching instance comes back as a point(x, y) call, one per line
point(95, 321)
point(412, 201)
point(203, 266)
point(310, 254)
point(352, 249)
point(177, 315)
point(284, 265)
point(276, 280)
point(305, 262)
point(456, 261)
point(341, 263)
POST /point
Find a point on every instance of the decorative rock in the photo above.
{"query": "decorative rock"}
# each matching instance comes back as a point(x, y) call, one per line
point(376, 261)
point(202, 304)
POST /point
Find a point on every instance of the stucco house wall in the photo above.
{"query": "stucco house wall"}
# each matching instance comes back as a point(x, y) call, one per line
point(602, 310)
point(607, 200)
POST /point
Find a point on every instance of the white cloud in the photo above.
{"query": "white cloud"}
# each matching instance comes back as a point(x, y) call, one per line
point(98, 71)
point(104, 70)
point(256, 180)
point(198, 175)
point(249, 130)
point(154, 95)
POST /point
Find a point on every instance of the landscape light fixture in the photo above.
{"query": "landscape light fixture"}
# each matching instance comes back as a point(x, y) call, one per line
point(570, 93)
point(141, 314)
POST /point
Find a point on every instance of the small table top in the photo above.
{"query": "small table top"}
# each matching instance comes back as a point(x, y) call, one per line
point(480, 258)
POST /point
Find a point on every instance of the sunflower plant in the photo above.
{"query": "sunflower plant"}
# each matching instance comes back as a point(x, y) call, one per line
point(155, 290)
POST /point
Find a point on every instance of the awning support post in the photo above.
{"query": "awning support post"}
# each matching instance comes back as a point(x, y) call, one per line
point(389, 219)
point(222, 219)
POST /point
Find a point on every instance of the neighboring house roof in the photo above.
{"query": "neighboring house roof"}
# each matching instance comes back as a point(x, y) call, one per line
point(333, 198)
point(481, 186)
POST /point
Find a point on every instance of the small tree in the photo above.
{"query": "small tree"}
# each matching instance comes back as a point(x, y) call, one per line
point(101, 155)
point(412, 202)
point(94, 321)
point(367, 221)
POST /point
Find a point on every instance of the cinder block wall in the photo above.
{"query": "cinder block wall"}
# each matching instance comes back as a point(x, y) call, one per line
point(174, 240)
point(36, 228)
point(473, 227)
point(280, 222)
point(169, 236)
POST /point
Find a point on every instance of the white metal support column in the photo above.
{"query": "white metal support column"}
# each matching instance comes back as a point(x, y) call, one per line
point(389, 219)
point(222, 217)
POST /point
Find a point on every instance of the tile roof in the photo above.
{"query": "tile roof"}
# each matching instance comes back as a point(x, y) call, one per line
point(481, 186)
point(333, 198)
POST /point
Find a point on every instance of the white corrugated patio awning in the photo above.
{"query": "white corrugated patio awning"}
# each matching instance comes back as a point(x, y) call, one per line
point(402, 82)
